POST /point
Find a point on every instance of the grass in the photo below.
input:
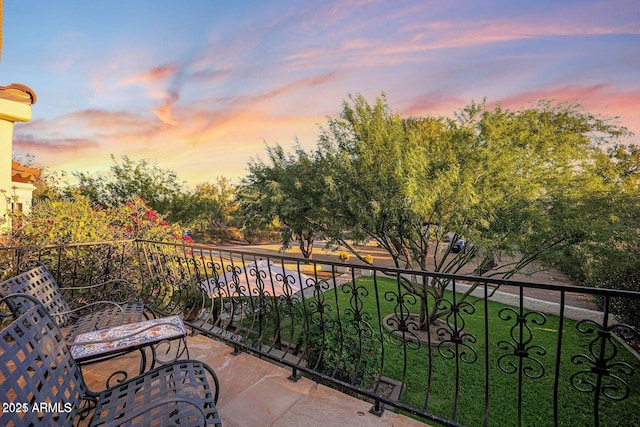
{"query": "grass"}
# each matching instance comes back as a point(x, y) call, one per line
point(432, 387)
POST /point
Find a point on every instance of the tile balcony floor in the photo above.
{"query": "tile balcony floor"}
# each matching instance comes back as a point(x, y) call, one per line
point(257, 393)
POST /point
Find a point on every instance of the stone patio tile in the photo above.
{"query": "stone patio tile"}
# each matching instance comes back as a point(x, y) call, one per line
point(328, 407)
point(265, 400)
point(97, 374)
point(255, 392)
point(238, 373)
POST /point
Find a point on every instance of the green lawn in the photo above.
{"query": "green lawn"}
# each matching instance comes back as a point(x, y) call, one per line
point(431, 386)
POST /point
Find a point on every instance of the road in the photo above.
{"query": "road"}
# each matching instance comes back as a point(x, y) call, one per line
point(383, 259)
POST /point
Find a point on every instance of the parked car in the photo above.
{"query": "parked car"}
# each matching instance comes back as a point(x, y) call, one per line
point(458, 246)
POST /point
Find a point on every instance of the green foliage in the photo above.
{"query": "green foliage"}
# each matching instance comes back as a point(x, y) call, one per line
point(353, 358)
point(625, 276)
point(607, 255)
point(211, 209)
point(510, 183)
point(76, 220)
point(137, 220)
point(287, 191)
point(127, 179)
point(48, 186)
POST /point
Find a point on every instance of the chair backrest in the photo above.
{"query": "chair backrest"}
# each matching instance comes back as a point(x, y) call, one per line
point(39, 283)
point(40, 383)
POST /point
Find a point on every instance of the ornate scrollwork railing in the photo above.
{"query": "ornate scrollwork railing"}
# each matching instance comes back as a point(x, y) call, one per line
point(602, 373)
point(355, 331)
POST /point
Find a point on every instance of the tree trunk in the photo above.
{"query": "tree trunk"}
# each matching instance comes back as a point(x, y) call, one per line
point(424, 324)
point(306, 245)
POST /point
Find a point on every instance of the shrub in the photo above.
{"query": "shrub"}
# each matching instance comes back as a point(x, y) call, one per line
point(344, 256)
point(624, 276)
point(137, 220)
point(349, 354)
point(76, 220)
point(64, 221)
point(368, 259)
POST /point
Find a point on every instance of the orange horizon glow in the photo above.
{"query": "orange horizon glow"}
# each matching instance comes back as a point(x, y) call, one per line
point(199, 88)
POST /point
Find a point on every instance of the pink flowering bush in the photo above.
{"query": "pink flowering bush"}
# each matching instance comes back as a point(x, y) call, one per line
point(76, 220)
point(72, 220)
point(136, 220)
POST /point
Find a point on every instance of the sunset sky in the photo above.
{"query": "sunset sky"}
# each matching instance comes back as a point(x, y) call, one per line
point(199, 86)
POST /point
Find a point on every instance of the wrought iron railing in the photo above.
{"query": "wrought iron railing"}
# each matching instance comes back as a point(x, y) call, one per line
point(492, 358)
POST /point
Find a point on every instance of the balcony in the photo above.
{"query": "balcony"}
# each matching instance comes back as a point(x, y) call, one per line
point(305, 342)
point(258, 393)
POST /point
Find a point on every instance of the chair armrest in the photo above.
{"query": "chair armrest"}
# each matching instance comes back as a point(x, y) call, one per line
point(164, 366)
point(202, 416)
point(117, 305)
point(206, 367)
point(100, 292)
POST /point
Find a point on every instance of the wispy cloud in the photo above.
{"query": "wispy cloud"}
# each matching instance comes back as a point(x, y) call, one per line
point(603, 99)
point(53, 146)
point(154, 74)
point(203, 98)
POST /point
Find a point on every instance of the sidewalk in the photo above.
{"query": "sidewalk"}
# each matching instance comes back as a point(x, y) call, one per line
point(382, 259)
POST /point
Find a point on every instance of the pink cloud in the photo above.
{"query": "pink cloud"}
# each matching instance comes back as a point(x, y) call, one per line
point(198, 121)
point(602, 99)
point(52, 146)
point(456, 34)
point(165, 111)
point(433, 103)
point(154, 74)
point(104, 120)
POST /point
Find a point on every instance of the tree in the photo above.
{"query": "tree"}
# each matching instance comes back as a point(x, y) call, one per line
point(289, 191)
point(510, 183)
point(211, 209)
point(158, 187)
point(608, 257)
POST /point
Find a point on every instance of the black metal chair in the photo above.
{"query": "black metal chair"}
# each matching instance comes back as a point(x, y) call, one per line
point(42, 385)
point(40, 283)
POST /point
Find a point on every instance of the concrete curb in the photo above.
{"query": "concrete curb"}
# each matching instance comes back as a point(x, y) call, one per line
point(535, 304)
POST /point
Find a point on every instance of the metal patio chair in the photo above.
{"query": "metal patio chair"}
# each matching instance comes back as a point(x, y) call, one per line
point(40, 283)
point(42, 385)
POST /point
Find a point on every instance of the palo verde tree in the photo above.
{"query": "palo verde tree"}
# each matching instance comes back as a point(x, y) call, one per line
point(515, 185)
point(159, 187)
point(288, 190)
point(609, 256)
point(212, 209)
